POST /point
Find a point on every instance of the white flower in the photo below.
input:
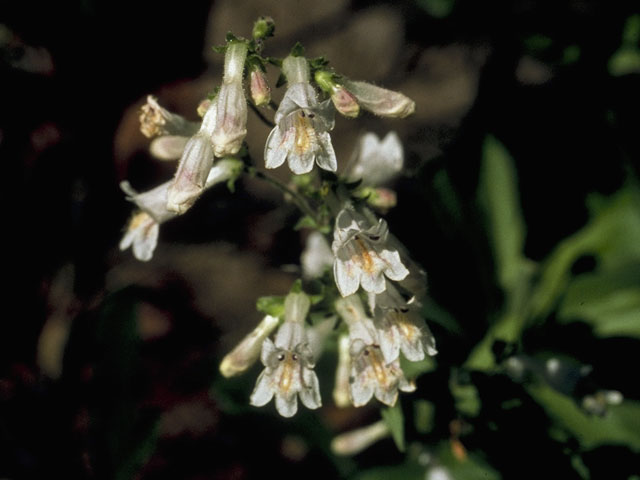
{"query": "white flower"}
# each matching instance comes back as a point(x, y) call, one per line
point(362, 255)
point(380, 101)
point(168, 147)
point(301, 134)
point(400, 326)
point(156, 121)
point(230, 104)
point(376, 161)
point(316, 256)
point(141, 235)
point(289, 362)
point(144, 226)
point(355, 441)
point(248, 350)
point(342, 388)
point(370, 373)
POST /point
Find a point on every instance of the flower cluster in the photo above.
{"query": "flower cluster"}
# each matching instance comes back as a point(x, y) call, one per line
point(370, 305)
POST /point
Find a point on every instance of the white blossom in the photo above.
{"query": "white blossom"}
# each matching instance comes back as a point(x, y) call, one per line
point(141, 235)
point(316, 256)
point(371, 374)
point(376, 161)
point(289, 362)
point(156, 120)
point(380, 101)
point(362, 254)
point(400, 326)
point(301, 135)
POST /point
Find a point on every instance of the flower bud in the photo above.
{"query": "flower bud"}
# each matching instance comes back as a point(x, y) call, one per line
point(296, 307)
point(260, 91)
point(263, 28)
point(380, 101)
point(355, 441)
point(345, 102)
point(248, 350)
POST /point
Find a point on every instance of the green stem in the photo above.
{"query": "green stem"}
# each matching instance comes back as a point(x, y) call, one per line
point(264, 119)
point(299, 200)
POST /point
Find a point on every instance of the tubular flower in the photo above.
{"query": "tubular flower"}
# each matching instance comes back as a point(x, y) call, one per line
point(157, 121)
point(289, 362)
point(248, 350)
point(194, 166)
point(143, 228)
point(400, 327)
point(141, 235)
point(376, 161)
point(370, 373)
point(301, 135)
point(362, 254)
point(230, 104)
point(380, 101)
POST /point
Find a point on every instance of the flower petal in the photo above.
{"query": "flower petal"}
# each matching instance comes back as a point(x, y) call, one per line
point(310, 391)
point(287, 406)
point(361, 390)
point(263, 391)
point(326, 158)
point(395, 269)
point(347, 276)
point(275, 150)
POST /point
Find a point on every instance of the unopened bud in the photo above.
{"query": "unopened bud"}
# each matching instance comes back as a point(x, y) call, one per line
point(380, 101)
point(263, 28)
point(248, 350)
point(382, 198)
point(345, 102)
point(203, 106)
point(260, 91)
point(355, 441)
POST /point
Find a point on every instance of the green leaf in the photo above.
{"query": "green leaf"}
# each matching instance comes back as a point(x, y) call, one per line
point(423, 415)
point(271, 305)
point(466, 398)
point(437, 8)
point(413, 370)
point(297, 50)
point(612, 236)
point(620, 425)
point(394, 419)
point(306, 222)
point(498, 192)
point(405, 471)
point(473, 467)
point(609, 301)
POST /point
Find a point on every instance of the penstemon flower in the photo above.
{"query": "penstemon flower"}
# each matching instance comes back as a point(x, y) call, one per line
point(380, 101)
point(375, 161)
point(316, 257)
point(301, 135)
point(156, 120)
point(371, 374)
point(230, 104)
point(362, 254)
point(400, 327)
point(141, 235)
point(144, 226)
point(289, 362)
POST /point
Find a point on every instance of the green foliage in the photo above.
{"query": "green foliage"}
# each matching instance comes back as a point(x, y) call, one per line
point(271, 305)
point(394, 418)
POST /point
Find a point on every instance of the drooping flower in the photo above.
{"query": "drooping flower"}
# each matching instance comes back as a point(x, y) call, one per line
point(230, 104)
point(316, 256)
point(375, 161)
point(156, 120)
point(371, 374)
point(144, 226)
point(362, 254)
point(141, 235)
point(380, 101)
point(400, 326)
point(355, 441)
point(248, 350)
point(289, 362)
point(195, 163)
point(301, 135)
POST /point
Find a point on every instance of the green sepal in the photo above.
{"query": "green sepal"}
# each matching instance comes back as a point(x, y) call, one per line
point(271, 305)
